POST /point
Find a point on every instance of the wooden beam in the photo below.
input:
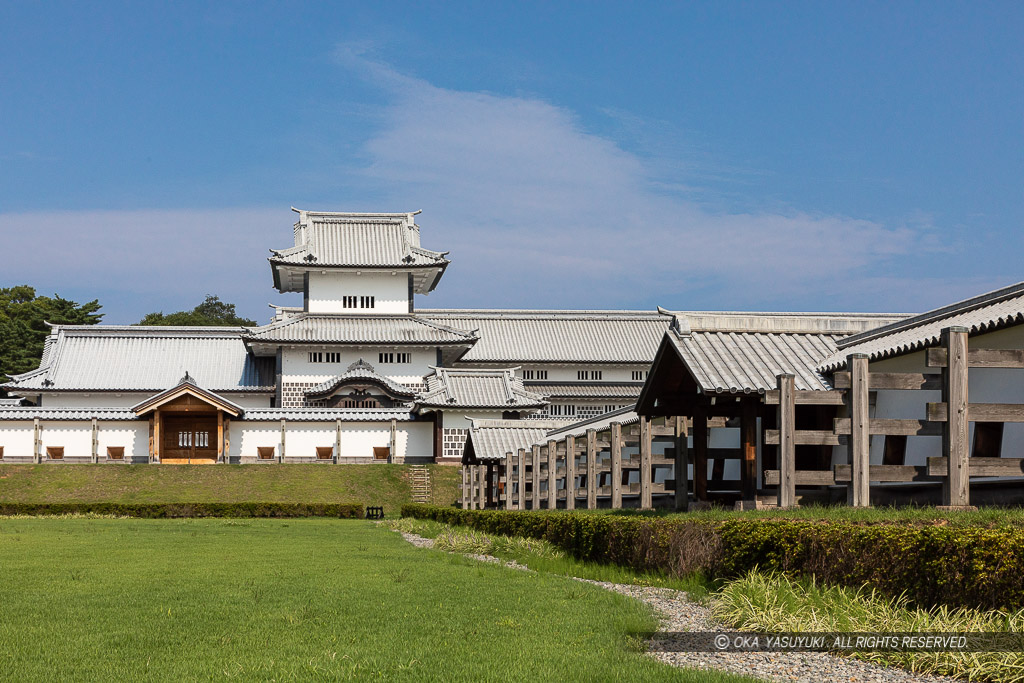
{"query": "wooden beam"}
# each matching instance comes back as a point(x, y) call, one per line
point(891, 427)
point(700, 452)
point(552, 475)
point(616, 439)
point(904, 473)
point(748, 450)
point(905, 381)
point(979, 358)
point(535, 460)
point(981, 467)
point(858, 447)
point(787, 441)
point(521, 502)
point(955, 445)
point(801, 478)
point(803, 437)
point(807, 397)
point(95, 453)
point(980, 412)
point(680, 466)
point(570, 473)
point(591, 469)
point(646, 496)
point(220, 436)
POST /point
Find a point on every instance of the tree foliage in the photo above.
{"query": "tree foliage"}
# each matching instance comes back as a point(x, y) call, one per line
point(23, 328)
point(212, 312)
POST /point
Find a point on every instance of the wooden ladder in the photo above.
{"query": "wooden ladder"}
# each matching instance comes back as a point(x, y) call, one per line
point(420, 480)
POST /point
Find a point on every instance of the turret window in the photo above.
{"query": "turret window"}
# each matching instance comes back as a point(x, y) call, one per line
point(324, 357)
point(588, 374)
point(392, 357)
point(639, 375)
point(535, 374)
point(358, 302)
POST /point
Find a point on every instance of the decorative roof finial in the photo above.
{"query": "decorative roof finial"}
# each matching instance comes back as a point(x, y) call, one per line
point(187, 379)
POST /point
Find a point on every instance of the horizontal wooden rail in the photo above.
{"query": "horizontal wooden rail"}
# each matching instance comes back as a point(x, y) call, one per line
point(980, 358)
point(892, 427)
point(804, 437)
point(807, 397)
point(803, 478)
point(980, 412)
point(981, 467)
point(844, 473)
point(893, 380)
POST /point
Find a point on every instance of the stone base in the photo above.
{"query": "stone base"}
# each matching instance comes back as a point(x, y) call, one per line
point(698, 505)
point(957, 508)
point(750, 505)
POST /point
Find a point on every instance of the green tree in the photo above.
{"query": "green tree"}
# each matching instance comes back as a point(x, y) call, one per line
point(23, 328)
point(212, 312)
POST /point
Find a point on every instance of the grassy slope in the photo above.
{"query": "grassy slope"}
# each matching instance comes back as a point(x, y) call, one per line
point(386, 485)
point(113, 599)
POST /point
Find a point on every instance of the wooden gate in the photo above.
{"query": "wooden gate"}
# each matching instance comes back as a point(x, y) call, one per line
point(190, 440)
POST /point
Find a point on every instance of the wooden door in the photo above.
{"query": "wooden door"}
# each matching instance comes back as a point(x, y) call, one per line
point(190, 440)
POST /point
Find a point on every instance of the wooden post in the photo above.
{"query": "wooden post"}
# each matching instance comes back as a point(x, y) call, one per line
point(227, 440)
point(536, 477)
point(337, 446)
point(521, 499)
point(491, 470)
point(552, 475)
point(570, 473)
point(787, 443)
point(152, 429)
point(281, 453)
point(471, 493)
point(591, 469)
point(392, 444)
point(646, 492)
point(700, 451)
point(748, 452)
point(859, 442)
point(506, 466)
point(680, 466)
point(616, 439)
point(220, 436)
point(956, 489)
point(37, 437)
point(481, 478)
point(95, 441)
point(157, 435)
point(464, 502)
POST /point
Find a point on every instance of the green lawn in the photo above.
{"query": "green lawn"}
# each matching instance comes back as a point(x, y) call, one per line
point(386, 485)
point(126, 599)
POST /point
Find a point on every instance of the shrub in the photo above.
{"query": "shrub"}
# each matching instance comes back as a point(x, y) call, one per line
point(158, 510)
point(931, 565)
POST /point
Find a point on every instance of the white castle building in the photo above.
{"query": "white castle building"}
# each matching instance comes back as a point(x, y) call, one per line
point(357, 374)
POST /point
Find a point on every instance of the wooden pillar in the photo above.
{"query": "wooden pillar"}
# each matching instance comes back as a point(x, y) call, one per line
point(464, 498)
point(489, 483)
point(570, 473)
point(337, 448)
point(507, 466)
point(158, 423)
point(392, 444)
point(646, 476)
point(616, 439)
point(700, 450)
point(535, 459)
point(787, 444)
point(95, 455)
point(281, 452)
point(521, 461)
point(858, 445)
point(748, 451)
point(481, 480)
point(680, 466)
point(37, 437)
point(152, 430)
point(552, 475)
point(227, 440)
point(591, 469)
point(220, 436)
point(955, 446)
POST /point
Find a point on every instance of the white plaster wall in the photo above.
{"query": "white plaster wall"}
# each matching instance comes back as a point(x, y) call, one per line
point(94, 399)
point(74, 436)
point(358, 439)
point(390, 292)
point(133, 436)
point(568, 373)
point(460, 419)
point(247, 436)
point(16, 438)
point(415, 439)
point(297, 368)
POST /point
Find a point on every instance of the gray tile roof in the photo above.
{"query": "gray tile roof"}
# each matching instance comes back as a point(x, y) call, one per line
point(32, 412)
point(492, 439)
point(984, 313)
point(557, 336)
point(744, 353)
point(624, 416)
point(360, 370)
point(471, 388)
point(129, 358)
point(354, 329)
point(594, 390)
point(329, 414)
point(11, 402)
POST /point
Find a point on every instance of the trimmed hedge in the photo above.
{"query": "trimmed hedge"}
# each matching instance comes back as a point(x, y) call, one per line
point(931, 565)
point(161, 510)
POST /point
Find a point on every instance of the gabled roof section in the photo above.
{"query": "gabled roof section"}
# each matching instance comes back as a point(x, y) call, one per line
point(187, 387)
point(361, 371)
point(356, 240)
point(319, 328)
point(985, 313)
point(498, 389)
point(135, 358)
point(526, 336)
point(492, 439)
point(624, 416)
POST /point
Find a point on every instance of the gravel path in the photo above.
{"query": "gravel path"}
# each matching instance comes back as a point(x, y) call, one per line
point(679, 613)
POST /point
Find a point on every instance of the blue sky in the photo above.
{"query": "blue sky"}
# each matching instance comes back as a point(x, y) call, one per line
point(768, 156)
